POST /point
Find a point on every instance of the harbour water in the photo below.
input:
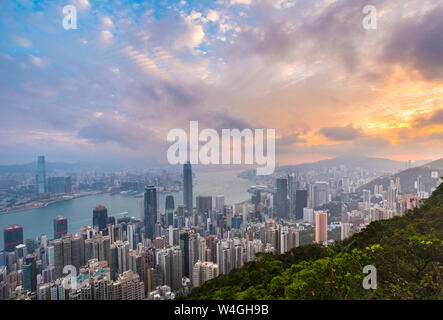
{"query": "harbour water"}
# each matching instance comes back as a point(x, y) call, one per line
point(79, 211)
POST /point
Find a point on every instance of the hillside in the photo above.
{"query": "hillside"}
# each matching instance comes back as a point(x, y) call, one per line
point(378, 164)
point(409, 176)
point(407, 252)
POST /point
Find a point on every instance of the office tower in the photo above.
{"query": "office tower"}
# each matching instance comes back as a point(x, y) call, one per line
point(100, 217)
point(60, 227)
point(219, 203)
point(184, 246)
point(169, 205)
point(30, 245)
point(203, 271)
point(150, 211)
point(169, 208)
point(41, 175)
point(68, 185)
point(12, 236)
point(321, 227)
point(204, 205)
point(308, 215)
point(291, 195)
point(187, 187)
point(301, 202)
point(282, 203)
point(57, 185)
point(320, 194)
point(29, 269)
point(20, 251)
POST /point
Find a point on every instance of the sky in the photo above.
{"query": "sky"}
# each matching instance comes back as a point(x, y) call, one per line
point(133, 70)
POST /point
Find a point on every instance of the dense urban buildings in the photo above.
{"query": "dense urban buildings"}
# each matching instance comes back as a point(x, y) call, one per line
point(166, 251)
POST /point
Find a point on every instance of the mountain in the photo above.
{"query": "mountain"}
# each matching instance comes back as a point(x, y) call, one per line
point(31, 168)
point(379, 164)
point(409, 176)
point(406, 251)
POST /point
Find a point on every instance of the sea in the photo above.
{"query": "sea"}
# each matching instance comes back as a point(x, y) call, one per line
point(78, 211)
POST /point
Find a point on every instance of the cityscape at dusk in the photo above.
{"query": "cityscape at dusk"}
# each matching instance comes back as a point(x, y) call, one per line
point(184, 150)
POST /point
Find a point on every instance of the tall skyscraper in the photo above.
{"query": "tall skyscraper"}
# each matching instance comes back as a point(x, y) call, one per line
point(219, 203)
point(13, 236)
point(187, 187)
point(320, 194)
point(41, 175)
point(301, 202)
point(60, 227)
point(169, 208)
point(321, 227)
point(291, 195)
point(100, 217)
point(150, 211)
point(204, 205)
point(282, 203)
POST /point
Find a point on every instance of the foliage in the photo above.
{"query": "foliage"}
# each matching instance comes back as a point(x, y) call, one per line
point(407, 252)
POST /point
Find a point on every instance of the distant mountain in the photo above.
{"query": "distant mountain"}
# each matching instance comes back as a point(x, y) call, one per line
point(409, 176)
point(31, 168)
point(379, 164)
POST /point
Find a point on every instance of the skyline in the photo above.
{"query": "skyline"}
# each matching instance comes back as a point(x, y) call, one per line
point(114, 87)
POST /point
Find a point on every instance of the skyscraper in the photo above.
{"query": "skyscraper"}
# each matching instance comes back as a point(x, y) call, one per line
point(169, 208)
point(150, 211)
point(187, 187)
point(321, 227)
point(41, 175)
point(60, 227)
point(100, 217)
point(204, 205)
point(219, 203)
point(13, 236)
point(301, 202)
point(320, 195)
point(281, 199)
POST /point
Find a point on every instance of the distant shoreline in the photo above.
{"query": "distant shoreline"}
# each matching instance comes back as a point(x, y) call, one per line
point(42, 204)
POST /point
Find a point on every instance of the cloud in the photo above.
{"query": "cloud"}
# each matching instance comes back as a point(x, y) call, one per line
point(436, 118)
point(212, 15)
point(192, 37)
point(418, 44)
point(22, 42)
point(341, 133)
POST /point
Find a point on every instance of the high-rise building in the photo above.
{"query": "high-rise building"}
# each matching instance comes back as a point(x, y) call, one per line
point(41, 175)
point(13, 236)
point(291, 195)
point(169, 210)
point(219, 203)
point(29, 269)
point(320, 194)
point(301, 202)
point(60, 227)
point(100, 217)
point(203, 271)
point(321, 227)
point(150, 211)
point(187, 187)
point(169, 202)
point(282, 203)
point(57, 185)
point(204, 205)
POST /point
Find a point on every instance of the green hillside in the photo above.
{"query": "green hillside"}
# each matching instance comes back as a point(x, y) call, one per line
point(407, 252)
